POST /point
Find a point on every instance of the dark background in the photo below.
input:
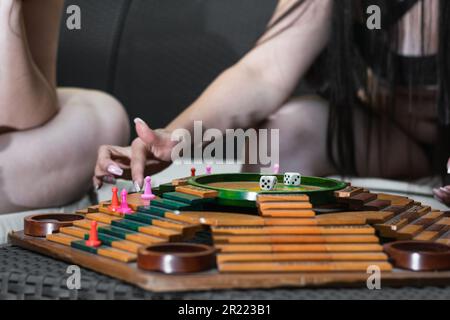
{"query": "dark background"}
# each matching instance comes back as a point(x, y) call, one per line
point(157, 56)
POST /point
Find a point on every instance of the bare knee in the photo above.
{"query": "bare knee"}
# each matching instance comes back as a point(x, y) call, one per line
point(104, 111)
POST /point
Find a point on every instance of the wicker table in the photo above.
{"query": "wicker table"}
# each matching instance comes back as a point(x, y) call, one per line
point(27, 275)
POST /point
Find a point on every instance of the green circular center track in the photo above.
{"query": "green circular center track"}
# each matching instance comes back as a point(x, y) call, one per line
point(241, 189)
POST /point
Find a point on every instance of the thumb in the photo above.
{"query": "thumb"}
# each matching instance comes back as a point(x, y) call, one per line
point(147, 135)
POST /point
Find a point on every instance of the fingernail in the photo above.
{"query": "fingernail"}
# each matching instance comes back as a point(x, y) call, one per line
point(115, 170)
point(96, 186)
point(139, 120)
point(137, 188)
point(448, 169)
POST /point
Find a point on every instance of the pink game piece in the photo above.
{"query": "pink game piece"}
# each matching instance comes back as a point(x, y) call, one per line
point(208, 169)
point(276, 168)
point(124, 208)
point(148, 195)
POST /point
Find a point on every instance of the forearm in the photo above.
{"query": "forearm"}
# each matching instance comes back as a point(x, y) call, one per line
point(238, 98)
point(264, 79)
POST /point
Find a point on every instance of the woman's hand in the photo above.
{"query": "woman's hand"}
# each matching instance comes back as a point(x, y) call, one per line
point(148, 154)
point(443, 194)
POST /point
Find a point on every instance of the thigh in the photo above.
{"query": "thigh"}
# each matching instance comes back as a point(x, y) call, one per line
point(53, 164)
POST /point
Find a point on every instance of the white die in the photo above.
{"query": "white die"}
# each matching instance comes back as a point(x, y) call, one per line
point(268, 183)
point(292, 179)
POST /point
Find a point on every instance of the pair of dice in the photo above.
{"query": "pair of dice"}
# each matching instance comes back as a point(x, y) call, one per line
point(268, 183)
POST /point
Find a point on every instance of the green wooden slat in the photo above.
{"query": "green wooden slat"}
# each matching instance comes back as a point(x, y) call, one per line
point(81, 244)
point(166, 187)
point(128, 225)
point(143, 218)
point(169, 204)
point(105, 239)
point(116, 232)
point(185, 198)
point(154, 210)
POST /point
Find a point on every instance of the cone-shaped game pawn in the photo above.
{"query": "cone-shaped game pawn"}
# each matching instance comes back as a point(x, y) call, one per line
point(148, 195)
point(115, 205)
point(124, 208)
point(93, 236)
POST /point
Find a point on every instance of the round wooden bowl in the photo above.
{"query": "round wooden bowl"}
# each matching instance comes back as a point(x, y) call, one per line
point(40, 225)
point(173, 258)
point(419, 255)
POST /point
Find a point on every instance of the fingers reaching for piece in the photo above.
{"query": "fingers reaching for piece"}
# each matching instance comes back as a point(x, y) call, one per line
point(112, 161)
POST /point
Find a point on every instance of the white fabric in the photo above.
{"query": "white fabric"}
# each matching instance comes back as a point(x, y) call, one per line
point(14, 221)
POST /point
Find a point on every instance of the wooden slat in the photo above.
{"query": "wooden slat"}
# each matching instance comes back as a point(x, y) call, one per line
point(74, 231)
point(434, 231)
point(86, 224)
point(116, 254)
point(302, 266)
point(93, 209)
point(61, 238)
point(295, 239)
point(370, 217)
point(412, 229)
point(262, 198)
point(336, 230)
point(180, 181)
point(444, 239)
point(102, 217)
point(376, 205)
point(284, 205)
point(284, 213)
point(395, 200)
point(307, 257)
point(348, 192)
point(196, 191)
point(253, 248)
point(390, 227)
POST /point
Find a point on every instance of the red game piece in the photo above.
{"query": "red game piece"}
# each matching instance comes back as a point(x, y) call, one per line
point(115, 205)
point(192, 172)
point(93, 236)
point(124, 208)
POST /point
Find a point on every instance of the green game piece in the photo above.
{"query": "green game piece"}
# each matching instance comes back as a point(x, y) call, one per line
point(169, 204)
point(81, 244)
point(154, 210)
point(186, 198)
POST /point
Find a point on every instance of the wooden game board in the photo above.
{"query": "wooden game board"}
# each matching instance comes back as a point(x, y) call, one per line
point(285, 243)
